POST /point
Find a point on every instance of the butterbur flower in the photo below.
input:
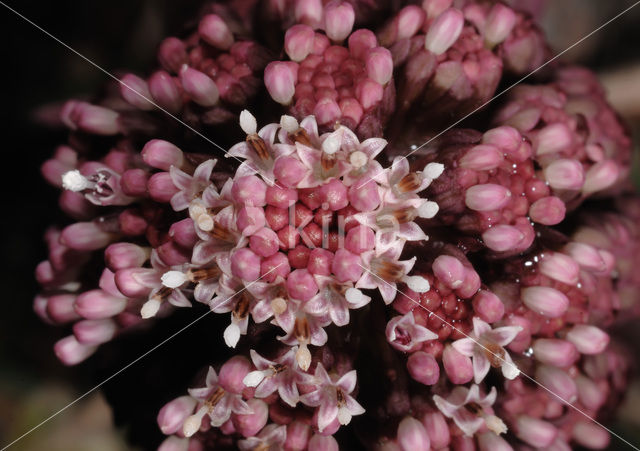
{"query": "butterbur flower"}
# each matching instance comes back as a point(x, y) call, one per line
point(486, 347)
point(332, 397)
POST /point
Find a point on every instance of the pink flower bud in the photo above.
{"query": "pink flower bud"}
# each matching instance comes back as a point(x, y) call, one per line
point(172, 54)
point(70, 352)
point(360, 42)
point(96, 304)
point(558, 381)
point(320, 262)
point(245, 264)
point(323, 443)
point(360, 239)
point(412, 435)
point(183, 233)
point(369, 93)
point(134, 182)
point(589, 257)
point(458, 367)
point(482, 157)
point(275, 266)
point(95, 119)
point(364, 195)
point(556, 352)
point(161, 154)
point(423, 368)
point(298, 42)
point(588, 339)
point(161, 187)
point(444, 31)
point(553, 138)
point(233, 372)
point(338, 20)
point(165, 92)
point(589, 393)
point(535, 432)
point(309, 12)
point(590, 435)
point(213, 30)
point(488, 306)
point(289, 171)
point(250, 424)
point(490, 441)
point(346, 266)
point(326, 111)
point(264, 242)
point(499, 24)
point(199, 86)
point(60, 308)
point(94, 332)
point(379, 65)
point(249, 190)
point(301, 285)
point(280, 197)
point(135, 91)
point(124, 255)
point(85, 236)
point(502, 237)
point(174, 443)
point(548, 210)
point(601, 176)
point(449, 270)
point(298, 434)
point(437, 429)
point(128, 282)
point(565, 173)
point(250, 219)
point(487, 197)
point(560, 267)
point(172, 415)
point(546, 301)
point(280, 79)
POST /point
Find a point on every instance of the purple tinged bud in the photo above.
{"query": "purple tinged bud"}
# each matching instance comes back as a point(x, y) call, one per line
point(161, 154)
point(96, 304)
point(264, 242)
point(280, 197)
point(249, 190)
point(233, 372)
point(588, 339)
point(280, 78)
point(275, 266)
point(360, 42)
point(76, 205)
point(172, 415)
point(172, 54)
point(214, 31)
point(488, 306)
point(61, 308)
point(134, 183)
point(589, 257)
point(487, 197)
point(482, 157)
point(245, 264)
point(490, 441)
point(364, 195)
point(565, 174)
point(499, 24)
point(250, 424)
point(535, 432)
point(423, 368)
point(125, 255)
point(320, 261)
point(70, 352)
point(323, 443)
point(309, 12)
point(85, 236)
point(437, 429)
point(346, 266)
point(449, 270)
point(412, 435)
point(379, 65)
point(548, 210)
point(505, 138)
point(289, 171)
point(327, 111)
point(338, 20)
point(298, 42)
point(161, 187)
point(95, 332)
point(556, 352)
point(94, 119)
point(560, 267)
point(184, 233)
point(590, 435)
point(558, 381)
point(301, 285)
point(40, 308)
point(444, 31)
point(334, 193)
point(458, 367)
point(360, 239)
point(409, 20)
point(298, 434)
point(250, 219)
point(136, 92)
point(127, 282)
point(165, 92)
point(502, 237)
point(601, 176)
point(589, 393)
point(546, 301)
point(199, 86)
point(553, 138)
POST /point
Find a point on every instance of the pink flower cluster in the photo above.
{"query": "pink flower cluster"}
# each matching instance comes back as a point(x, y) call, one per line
point(460, 298)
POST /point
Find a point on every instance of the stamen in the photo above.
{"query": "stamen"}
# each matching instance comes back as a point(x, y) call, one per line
point(197, 275)
point(387, 270)
point(358, 159)
point(241, 309)
point(259, 146)
point(493, 351)
point(409, 183)
point(279, 306)
point(222, 233)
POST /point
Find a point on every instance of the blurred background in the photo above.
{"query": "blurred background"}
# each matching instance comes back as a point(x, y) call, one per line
point(118, 34)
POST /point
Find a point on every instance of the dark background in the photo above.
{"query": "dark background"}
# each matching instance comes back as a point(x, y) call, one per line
point(36, 72)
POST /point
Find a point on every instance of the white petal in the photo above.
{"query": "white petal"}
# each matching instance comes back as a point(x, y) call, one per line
point(231, 335)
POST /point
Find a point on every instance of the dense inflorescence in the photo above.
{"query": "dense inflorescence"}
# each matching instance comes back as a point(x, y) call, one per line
point(460, 297)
